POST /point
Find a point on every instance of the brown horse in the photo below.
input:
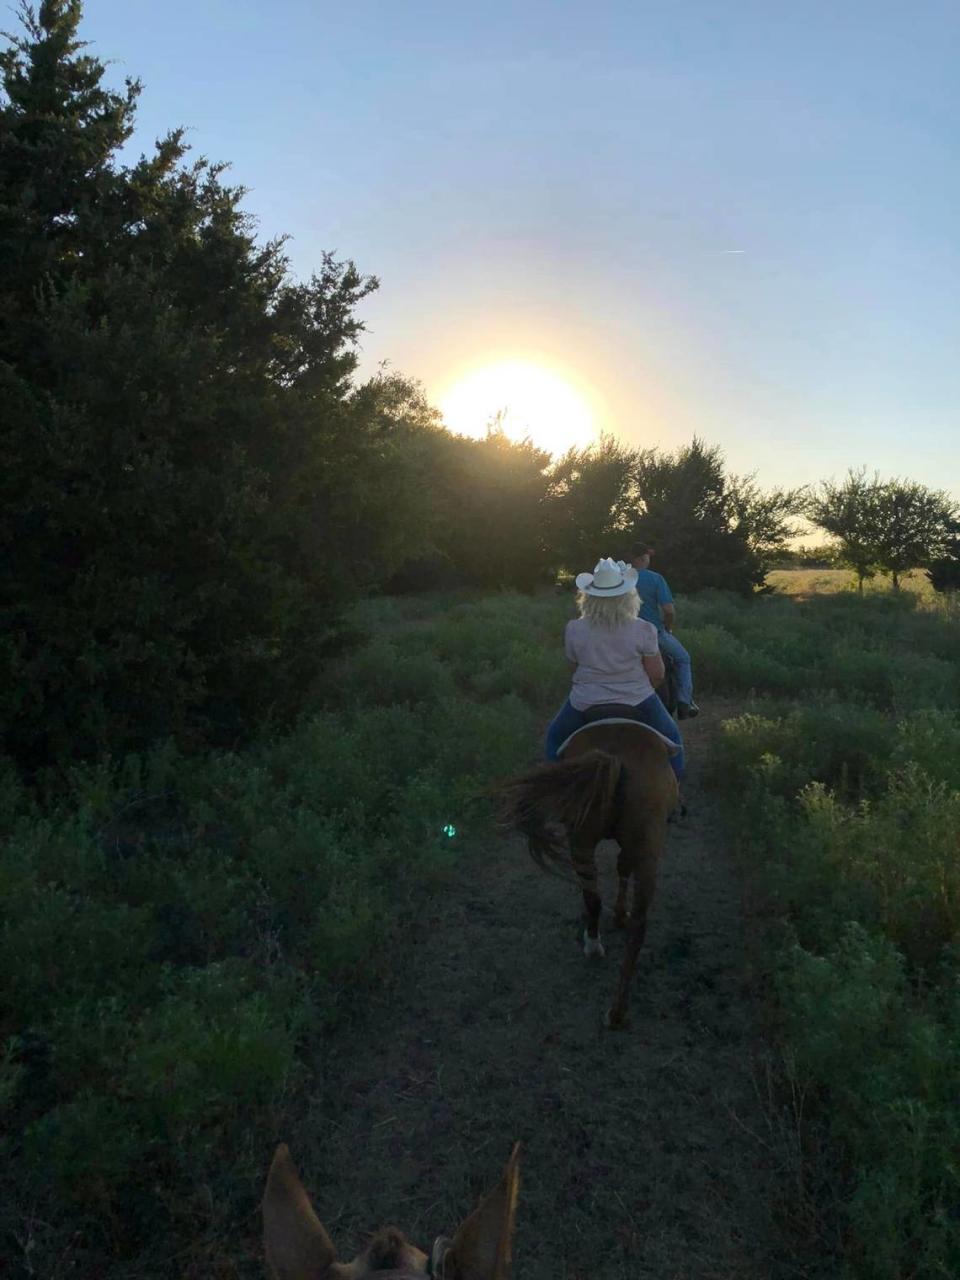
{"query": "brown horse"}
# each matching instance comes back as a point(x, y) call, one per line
point(613, 782)
point(298, 1247)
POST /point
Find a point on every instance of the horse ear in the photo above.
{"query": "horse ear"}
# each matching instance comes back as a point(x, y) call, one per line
point(481, 1247)
point(297, 1246)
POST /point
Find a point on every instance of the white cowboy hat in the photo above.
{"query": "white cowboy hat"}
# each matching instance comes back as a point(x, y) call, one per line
point(609, 578)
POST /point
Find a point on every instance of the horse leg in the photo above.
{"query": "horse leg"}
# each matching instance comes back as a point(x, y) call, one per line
point(624, 868)
point(644, 884)
point(585, 865)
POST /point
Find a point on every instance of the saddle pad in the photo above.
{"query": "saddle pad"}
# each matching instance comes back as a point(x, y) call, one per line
point(672, 748)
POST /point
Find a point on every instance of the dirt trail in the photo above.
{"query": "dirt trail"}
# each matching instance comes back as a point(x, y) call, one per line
point(647, 1153)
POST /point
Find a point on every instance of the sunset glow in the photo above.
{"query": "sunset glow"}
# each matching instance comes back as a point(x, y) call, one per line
point(535, 403)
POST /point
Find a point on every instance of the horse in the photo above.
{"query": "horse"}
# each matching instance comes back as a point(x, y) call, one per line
point(298, 1248)
point(614, 781)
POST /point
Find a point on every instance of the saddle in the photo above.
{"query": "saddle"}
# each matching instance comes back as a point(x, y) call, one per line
point(610, 711)
point(616, 713)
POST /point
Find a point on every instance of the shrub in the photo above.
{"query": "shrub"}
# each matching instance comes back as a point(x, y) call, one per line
point(176, 929)
point(888, 1068)
point(848, 809)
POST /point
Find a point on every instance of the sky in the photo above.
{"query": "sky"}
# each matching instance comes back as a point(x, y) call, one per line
point(735, 219)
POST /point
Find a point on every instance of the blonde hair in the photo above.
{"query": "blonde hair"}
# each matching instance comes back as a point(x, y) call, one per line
point(609, 611)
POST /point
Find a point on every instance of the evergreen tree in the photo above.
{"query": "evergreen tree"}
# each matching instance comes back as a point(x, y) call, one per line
point(184, 464)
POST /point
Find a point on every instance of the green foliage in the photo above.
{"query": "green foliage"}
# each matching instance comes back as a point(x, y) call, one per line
point(198, 490)
point(849, 512)
point(591, 503)
point(502, 514)
point(944, 569)
point(916, 525)
point(889, 1067)
point(709, 529)
point(844, 746)
point(931, 740)
point(490, 496)
point(194, 486)
point(176, 931)
point(846, 801)
point(893, 525)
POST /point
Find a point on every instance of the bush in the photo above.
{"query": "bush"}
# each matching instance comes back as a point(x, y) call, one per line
point(888, 1069)
point(848, 811)
point(176, 930)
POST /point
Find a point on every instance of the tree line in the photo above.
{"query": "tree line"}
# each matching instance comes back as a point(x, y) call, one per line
point(890, 526)
point(195, 482)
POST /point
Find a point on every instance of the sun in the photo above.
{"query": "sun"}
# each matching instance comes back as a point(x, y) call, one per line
point(530, 398)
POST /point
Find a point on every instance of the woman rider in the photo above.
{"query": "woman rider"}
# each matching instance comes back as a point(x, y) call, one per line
point(614, 656)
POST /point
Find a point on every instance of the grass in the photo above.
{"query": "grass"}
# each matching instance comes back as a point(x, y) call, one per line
point(807, 582)
point(842, 793)
point(177, 932)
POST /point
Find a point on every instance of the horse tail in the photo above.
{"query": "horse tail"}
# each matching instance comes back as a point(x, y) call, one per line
point(569, 792)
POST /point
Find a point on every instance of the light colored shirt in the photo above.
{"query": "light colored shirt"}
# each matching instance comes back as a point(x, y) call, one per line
point(609, 662)
point(653, 592)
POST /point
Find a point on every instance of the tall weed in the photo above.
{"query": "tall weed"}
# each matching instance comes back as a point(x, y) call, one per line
point(847, 803)
point(174, 930)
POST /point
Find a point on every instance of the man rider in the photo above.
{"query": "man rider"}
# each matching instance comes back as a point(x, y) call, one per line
point(657, 607)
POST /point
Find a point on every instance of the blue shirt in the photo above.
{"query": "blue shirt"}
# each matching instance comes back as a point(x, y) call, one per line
point(653, 592)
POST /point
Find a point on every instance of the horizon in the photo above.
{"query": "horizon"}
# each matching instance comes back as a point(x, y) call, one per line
point(736, 226)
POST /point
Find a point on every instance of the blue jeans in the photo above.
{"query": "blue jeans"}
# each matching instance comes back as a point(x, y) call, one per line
point(651, 711)
point(670, 645)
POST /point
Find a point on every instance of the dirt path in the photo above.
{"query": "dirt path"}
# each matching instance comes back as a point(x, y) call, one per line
point(646, 1153)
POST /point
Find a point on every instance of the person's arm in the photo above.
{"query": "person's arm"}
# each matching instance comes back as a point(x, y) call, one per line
point(572, 662)
point(649, 651)
point(665, 601)
point(653, 665)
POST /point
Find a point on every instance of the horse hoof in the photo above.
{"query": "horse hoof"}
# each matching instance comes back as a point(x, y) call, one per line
point(592, 946)
point(615, 1020)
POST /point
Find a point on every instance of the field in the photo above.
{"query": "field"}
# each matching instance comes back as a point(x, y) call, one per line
point(807, 582)
point(322, 940)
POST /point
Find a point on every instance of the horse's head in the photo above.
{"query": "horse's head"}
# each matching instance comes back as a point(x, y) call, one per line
point(298, 1247)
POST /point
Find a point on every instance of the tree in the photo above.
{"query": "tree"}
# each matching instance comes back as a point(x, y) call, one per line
point(398, 429)
point(851, 513)
point(916, 525)
point(887, 525)
point(590, 502)
point(708, 529)
point(185, 467)
point(490, 497)
point(764, 518)
point(944, 570)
